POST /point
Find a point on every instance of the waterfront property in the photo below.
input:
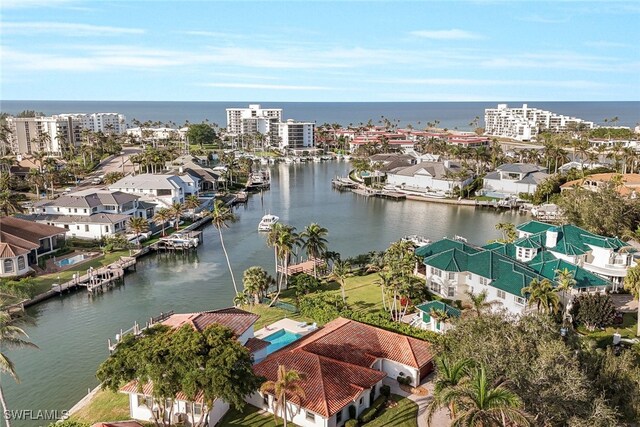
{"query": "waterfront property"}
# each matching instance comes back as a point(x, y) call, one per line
point(343, 365)
point(511, 179)
point(429, 177)
point(22, 242)
point(427, 316)
point(198, 166)
point(628, 184)
point(161, 189)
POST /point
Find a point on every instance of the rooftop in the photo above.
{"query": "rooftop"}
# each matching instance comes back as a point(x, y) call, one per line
point(233, 318)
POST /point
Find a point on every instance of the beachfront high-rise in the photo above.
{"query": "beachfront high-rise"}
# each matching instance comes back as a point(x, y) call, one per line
point(252, 120)
point(524, 123)
point(295, 135)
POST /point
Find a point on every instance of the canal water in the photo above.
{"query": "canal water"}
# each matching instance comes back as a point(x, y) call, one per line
point(72, 331)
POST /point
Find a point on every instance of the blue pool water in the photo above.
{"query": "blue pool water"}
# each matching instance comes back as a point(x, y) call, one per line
point(70, 261)
point(280, 339)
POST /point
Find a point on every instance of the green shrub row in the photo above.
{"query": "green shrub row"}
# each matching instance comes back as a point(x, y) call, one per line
point(372, 411)
point(351, 423)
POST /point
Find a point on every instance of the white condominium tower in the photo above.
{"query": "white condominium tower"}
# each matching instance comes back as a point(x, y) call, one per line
point(295, 135)
point(252, 120)
point(525, 123)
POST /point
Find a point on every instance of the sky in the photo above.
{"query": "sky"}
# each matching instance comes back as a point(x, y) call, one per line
point(300, 51)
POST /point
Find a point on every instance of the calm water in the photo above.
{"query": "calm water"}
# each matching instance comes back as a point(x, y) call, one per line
point(72, 331)
point(450, 114)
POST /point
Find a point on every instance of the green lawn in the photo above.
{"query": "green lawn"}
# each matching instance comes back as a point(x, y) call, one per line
point(269, 315)
point(105, 406)
point(403, 415)
point(605, 337)
point(43, 283)
point(485, 198)
point(249, 417)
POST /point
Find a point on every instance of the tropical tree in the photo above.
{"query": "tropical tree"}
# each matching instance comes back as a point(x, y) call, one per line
point(221, 216)
point(36, 179)
point(632, 284)
point(566, 282)
point(542, 294)
point(177, 210)
point(287, 240)
point(11, 336)
point(449, 376)
point(9, 203)
point(161, 217)
point(286, 386)
point(509, 234)
point(192, 202)
point(256, 282)
point(341, 270)
point(479, 302)
point(314, 243)
point(138, 225)
point(112, 177)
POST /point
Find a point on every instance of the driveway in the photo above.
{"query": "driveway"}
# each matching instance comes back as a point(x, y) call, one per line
point(625, 303)
point(440, 418)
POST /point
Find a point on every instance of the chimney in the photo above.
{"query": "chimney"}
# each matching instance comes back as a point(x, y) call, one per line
point(551, 237)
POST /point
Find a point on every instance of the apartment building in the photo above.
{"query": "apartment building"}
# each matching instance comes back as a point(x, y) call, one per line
point(295, 135)
point(525, 123)
point(254, 119)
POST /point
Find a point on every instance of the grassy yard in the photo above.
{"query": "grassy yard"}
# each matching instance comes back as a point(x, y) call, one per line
point(485, 199)
point(605, 337)
point(269, 315)
point(43, 283)
point(105, 406)
point(250, 416)
point(403, 415)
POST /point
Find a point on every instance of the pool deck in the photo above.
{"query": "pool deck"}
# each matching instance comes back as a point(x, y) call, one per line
point(293, 326)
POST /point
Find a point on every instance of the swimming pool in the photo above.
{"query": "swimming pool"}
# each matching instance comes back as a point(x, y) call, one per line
point(70, 261)
point(280, 339)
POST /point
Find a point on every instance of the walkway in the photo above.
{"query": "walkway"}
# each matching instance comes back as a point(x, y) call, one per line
point(440, 418)
point(626, 303)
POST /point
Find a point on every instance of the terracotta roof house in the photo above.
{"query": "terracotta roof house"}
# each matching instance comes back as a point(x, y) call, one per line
point(22, 242)
point(343, 364)
point(629, 183)
point(186, 410)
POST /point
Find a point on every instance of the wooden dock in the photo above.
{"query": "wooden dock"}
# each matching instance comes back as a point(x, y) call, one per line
point(136, 329)
point(303, 267)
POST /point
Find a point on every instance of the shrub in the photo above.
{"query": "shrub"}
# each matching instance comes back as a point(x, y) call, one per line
point(385, 390)
point(352, 412)
point(384, 322)
point(322, 306)
point(594, 310)
point(69, 423)
point(373, 410)
point(351, 423)
point(402, 379)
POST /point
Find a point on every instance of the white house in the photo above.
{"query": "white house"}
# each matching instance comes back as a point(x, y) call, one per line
point(165, 190)
point(429, 176)
point(343, 365)
point(424, 318)
point(511, 179)
point(91, 213)
point(240, 322)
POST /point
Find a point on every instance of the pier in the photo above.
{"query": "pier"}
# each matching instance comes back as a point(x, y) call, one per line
point(302, 267)
point(136, 329)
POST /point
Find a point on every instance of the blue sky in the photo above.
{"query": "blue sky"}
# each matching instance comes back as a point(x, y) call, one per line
point(320, 51)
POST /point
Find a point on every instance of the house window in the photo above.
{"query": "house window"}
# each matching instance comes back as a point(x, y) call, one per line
point(84, 210)
point(451, 292)
point(361, 401)
point(77, 227)
point(57, 209)
point(8, 265)
point(310, 416)
point(501, 294)
point(469, 276)
point(339, 416)
point(265, 400)
point(435, 271)
point(86, 228)
point(21, 263)
point(142, 400)
point(484, 281)
point(75, 210)
point(197, 409)
point(519, 300)
point(452, 276)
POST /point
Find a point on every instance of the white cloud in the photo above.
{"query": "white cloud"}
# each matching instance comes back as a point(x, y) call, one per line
point(67, 29)
point(558, 60)
point(453, 34)
point(265, 86)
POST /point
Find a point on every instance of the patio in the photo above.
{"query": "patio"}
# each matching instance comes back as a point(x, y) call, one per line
point(294, 326)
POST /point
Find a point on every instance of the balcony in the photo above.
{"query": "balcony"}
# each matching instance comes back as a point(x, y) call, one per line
point(609, 270)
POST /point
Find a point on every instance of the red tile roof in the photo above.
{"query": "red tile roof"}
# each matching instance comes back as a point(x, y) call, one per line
point(233, 318)
point(147, 390)
point(337, 359)
point(256, 344)
point(8, 250)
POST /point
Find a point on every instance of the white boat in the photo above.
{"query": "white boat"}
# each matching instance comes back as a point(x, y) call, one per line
point(181, 240)
point(267, 222)
point(421, 192)
point(317, 159)
point(288, 160)
point(416, 240)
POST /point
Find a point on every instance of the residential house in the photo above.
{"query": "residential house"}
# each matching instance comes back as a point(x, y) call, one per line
point(430, 177)
point(185, 410)
point(425, 319)
point(198, 166)
point(91, 213)
point(511, 179)
point(343, 365)
point(162, 189)
point(628, 184)
point(22, 242)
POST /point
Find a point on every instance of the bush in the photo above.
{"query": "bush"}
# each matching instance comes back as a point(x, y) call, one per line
point(352, 412)
point(351, 423)
point(404, 380)
point(594, 310)
point(322, 306)
point(384, 322)
point(69, 423)
point(370, 413)
point(385, 390)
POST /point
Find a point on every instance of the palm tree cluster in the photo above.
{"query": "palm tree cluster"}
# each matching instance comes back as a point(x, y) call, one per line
point(396, 279)
point(472, 401)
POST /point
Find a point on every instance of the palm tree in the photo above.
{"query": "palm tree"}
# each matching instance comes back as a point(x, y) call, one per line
point(192, 202)
point(161, 217)
point(9, 203)
point(482, 404)
point(288, 239)
point(11, 336)
point(287, 386)
point(479, 302)
point(138, 225)
point(385, 282)
point(450, 375)
point(566, 282)
point(632, 284)
point(177, 209)
point(256, 281)
point(542, 295)
point(272, 241)
point(221, 216)
point(314, 243)
point(341, 270)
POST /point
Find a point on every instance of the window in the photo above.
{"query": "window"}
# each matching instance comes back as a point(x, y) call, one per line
point(197, 409)
point(57, 209)
point(469, 276)
point(484, 281)
point(21, 263)
point(310, 416)
point(142, 400)
point(75, 210)
point(451, 292)
point(84, 210)
point(106, 228)
point(77, 227)
point(265, 399)
point(361, 401)
point(435, 271)
point(501, 294)
point(86, 228)
point(452, 275)
point(8, 265)
point(339, 416)
point(519, 300)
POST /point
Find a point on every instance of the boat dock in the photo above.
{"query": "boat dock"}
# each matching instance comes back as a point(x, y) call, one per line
point(303, 267)
point(340, 183)
point(137, 330)
point(179, 241)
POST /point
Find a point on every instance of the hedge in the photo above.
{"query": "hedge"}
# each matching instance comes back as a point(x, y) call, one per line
point(351, 423)
point(370, 413)
point(385, 390)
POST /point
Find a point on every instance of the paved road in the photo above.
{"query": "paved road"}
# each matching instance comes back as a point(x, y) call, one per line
point(118, 163)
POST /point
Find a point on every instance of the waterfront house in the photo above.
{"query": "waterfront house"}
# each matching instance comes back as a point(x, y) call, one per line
point(430, 177)
point(627, 185)
point(161, 189)
point(199, 167)
point(343, 365)
point(22, 242)
point(91, 213)
point(425, 318)
point(184, 410)
point(501, 270)
point(511, 179)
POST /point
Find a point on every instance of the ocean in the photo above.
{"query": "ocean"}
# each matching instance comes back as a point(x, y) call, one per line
point(451, 115)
